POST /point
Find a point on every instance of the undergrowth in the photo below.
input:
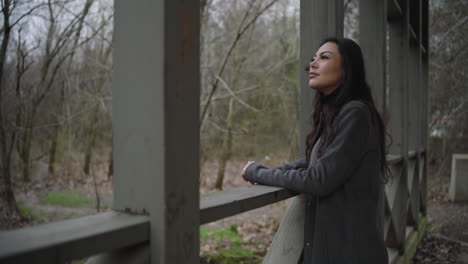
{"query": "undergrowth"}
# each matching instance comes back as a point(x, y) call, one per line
point(66, 198)
point(228, 247)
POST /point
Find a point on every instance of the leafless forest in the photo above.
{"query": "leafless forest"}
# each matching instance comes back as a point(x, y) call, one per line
point(55, 65)
point(56, 77)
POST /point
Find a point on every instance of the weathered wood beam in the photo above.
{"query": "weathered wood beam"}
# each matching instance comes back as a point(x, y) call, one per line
point(414, 91)
point(67, 240)
point(215, 206)
point(398, 34)
point(319, 19)
point(373, 42)
point(156, 121)
point(394, 10)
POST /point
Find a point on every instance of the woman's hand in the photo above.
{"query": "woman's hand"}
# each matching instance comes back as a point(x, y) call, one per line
point(244, 169)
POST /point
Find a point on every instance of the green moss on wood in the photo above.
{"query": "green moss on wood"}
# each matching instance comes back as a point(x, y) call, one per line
point(414, 240)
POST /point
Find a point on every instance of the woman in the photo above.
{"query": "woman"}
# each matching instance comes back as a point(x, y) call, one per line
point(344, 168)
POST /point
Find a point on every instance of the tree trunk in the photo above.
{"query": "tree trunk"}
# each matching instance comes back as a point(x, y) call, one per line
point(53, 149)
point(56, 133)
point(96, 191)
point(227, 146)
point(9, 213)
point(110, 170)
point(26, 150)
point(91, 138)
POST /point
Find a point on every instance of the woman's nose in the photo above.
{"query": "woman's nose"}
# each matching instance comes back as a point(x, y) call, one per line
point(313, 64)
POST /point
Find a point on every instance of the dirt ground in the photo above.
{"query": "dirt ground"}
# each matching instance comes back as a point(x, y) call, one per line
point(447, 239)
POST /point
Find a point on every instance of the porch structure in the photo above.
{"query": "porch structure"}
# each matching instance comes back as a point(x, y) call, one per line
point(157, 206)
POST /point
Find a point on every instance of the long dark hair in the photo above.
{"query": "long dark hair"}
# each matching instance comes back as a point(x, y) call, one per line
point(352, 87)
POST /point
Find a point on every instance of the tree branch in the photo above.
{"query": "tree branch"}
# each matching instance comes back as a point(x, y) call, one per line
point(239, 34)
point(235, 97)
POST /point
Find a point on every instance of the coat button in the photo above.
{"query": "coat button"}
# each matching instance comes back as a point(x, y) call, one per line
point(307, 244)
point(307, 203)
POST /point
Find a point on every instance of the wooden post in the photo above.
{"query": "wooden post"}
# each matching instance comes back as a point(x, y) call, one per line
point(398, 93)
point(319, 19)
point(398, 82)
point(414, 124)
point(425, 96)
point(373, 42)
point(155, 122)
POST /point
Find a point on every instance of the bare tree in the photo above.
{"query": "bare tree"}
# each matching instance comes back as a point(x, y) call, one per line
point(55, 55)
point(447, 81)
point(102, 73)
point(259, 76)
point(243, 27)
point(8, 134)
point(59, 113)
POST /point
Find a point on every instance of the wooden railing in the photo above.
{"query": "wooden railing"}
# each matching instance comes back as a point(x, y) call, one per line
point(405, 201)
point(82, 237)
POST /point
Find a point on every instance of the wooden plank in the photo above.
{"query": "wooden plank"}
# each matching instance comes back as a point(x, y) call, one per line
point(413, 35)
point(393, 256)
point(425, 100)
point(425, 24)
point(373, 42)
point(136, 137)
point(156, 122)
point(73, 239)
point(394, 10)
point(398, 82)
point(288, 247)
point(215, 206)
point(319, 19)
point(423, 50)
point(415, 17)
point(414, 92)
point(399, 209)
point(393, 159)
point(423, 184)
point(413, 189)
point(218, 205)
point(392, 188)
point(81, 237)
point(178, 212)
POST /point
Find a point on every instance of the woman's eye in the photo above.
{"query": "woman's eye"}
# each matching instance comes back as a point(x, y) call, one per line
point(312, 59)
point(324, 57)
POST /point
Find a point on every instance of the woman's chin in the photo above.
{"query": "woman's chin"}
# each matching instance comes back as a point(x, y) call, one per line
point(315, 88)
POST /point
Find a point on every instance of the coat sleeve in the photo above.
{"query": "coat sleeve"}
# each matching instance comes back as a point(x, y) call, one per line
point(340, 159)
point(301, 163)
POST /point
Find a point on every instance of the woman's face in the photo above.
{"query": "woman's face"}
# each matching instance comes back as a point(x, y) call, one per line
point(326, 71)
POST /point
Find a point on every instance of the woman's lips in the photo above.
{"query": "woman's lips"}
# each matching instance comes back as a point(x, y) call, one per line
point(312, 75)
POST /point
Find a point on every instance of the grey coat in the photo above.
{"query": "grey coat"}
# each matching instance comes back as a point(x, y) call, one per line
point(344, 211)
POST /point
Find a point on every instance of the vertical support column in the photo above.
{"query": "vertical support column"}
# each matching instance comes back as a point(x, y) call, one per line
point(398, 92)
point(155, 122)
point(414, 124)
point(415, 101)
point(373, 42)
point(398, 82)
point(425, 93)
point(372, 38)
point(319, 19)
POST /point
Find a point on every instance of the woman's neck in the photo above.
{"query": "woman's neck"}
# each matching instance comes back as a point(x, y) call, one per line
point(329, 98)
